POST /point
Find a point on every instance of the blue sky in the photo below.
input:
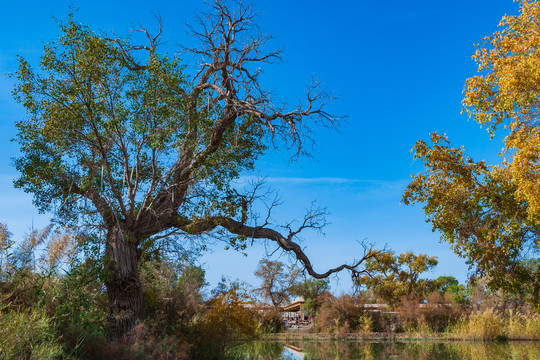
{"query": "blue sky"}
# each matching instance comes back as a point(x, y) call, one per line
point(399, 68)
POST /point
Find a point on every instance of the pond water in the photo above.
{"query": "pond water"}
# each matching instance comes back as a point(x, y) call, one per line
point(402, 350)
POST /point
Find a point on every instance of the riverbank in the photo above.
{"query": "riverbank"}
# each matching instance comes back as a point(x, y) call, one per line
point(301, 336)
point(477, 326)
point(382, 350)
point(312, 336)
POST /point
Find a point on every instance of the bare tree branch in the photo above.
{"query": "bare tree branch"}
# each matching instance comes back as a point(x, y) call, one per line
point(231, 47)
point(284, 242)
point(127, 50)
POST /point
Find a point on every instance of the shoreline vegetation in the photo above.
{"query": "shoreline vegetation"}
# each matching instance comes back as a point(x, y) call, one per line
point(485, 326)
point(376, 337)
point(494, 317)
point(54, 307)
point(479, 315)
point(403, 350)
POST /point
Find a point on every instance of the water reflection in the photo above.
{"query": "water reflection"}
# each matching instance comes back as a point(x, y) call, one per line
point(294, 350)
point(421, 350)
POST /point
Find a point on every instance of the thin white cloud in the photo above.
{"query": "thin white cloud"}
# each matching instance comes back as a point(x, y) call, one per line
point(315, 180)
point(357, 189)
point(320, 180)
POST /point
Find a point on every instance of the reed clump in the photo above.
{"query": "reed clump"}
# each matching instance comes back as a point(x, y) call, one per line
point(523, 326)
point(491, 325)
point(486, 325)
point(28, 335)
point(436, 317)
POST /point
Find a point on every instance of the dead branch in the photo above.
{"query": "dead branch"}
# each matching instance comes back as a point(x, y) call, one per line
point(126, 51)
point(230, 51)
point(284, 242)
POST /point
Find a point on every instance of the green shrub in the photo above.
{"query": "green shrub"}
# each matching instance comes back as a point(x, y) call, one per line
point(73, 303)
point(365, 324)
point(270, 322)
point(28, 335)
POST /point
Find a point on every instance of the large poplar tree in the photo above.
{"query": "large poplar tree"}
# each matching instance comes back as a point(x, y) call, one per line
point(118, 136)
point(490, 214)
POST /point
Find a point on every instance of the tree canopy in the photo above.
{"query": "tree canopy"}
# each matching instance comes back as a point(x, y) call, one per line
point(490, 213)
point(313, 291)
point(392, 277)
point(277, 280)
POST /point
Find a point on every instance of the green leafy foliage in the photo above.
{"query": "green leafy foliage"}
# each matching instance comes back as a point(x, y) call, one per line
point(63, 303)
point(277, 281)
point(28, 334)
point(96, 127)
point(119, 140)
point(313, 291)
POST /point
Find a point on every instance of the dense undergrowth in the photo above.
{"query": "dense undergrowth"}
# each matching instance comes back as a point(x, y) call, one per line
point(51, 309)
point(63, 316)
point(495, 317)
point(55, 306)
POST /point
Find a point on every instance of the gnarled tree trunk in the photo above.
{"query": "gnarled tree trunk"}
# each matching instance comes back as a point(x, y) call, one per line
point(123, 285)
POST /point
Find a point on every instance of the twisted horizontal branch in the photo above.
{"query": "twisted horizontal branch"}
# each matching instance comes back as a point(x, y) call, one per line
point(284, 242)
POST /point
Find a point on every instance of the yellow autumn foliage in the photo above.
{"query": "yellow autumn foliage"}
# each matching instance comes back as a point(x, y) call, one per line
point(506, 92)
point(490, 214)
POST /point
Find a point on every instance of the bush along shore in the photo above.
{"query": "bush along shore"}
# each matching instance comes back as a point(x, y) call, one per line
point(54, 306)
point(348, 317)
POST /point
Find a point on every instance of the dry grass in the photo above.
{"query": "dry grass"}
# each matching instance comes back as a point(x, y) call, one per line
point(490, 325)
point(523, 326)
point(487, 325)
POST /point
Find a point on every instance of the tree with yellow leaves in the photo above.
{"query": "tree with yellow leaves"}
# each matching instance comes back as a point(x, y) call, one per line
point(394, 277)
point(490, 214)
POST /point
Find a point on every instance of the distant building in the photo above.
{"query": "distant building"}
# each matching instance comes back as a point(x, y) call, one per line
point(295, 310)
point(260, 308)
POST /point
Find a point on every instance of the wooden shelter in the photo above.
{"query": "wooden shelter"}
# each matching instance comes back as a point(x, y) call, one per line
point(295, 310)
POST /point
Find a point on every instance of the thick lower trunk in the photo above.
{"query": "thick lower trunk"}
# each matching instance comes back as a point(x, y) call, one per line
point(123, 286)
point(536, 290)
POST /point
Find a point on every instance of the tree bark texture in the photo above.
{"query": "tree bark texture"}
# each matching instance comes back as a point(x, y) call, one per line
point(123, 285)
